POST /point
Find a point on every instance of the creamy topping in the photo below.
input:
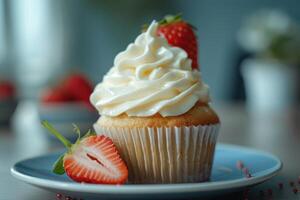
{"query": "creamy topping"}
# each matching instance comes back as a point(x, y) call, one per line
point(150, 77)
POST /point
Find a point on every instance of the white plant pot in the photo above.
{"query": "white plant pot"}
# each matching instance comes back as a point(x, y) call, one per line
point(270, 85)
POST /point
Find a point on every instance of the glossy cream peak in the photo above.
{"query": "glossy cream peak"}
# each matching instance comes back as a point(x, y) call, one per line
point(150, 77)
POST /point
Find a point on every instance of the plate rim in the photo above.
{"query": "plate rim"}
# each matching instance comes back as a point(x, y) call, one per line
point(154, 188)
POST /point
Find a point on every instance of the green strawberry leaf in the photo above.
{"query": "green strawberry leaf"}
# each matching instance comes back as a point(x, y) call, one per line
point(58, 167)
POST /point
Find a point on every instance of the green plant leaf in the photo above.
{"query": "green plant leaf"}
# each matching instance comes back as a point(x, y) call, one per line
point(58, 166)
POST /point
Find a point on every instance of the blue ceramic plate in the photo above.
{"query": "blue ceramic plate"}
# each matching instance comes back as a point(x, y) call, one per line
point(225, 177)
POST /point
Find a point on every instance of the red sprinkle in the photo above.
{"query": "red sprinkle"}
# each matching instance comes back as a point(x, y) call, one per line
point(280, 185)
point(246, 192)
point(59, 196)
point(295, 190)
point(270, 192)
point(246, 170)
point(239, 165)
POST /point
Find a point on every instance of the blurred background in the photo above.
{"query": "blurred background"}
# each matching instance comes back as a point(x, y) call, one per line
point(249, 50)
point(249, 53)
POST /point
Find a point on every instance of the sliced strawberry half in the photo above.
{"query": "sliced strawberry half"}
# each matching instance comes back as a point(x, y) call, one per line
point(96, 160)
point(92, 159)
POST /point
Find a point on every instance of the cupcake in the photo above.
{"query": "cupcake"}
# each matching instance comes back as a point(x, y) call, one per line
point(155, 108)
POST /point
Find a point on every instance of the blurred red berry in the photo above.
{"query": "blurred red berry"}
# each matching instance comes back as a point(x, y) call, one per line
point(75, 87)
point(78, 87)
point(54, 95)
point(7, 90)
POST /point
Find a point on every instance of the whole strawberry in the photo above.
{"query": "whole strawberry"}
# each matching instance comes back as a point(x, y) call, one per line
point(181, 34)
point(92, 159)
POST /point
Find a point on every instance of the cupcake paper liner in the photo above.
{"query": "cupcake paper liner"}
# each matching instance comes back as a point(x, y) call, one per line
point(165, 154)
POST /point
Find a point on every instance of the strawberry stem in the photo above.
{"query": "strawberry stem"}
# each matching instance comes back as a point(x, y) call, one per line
point(170, 19)
point(59, 136)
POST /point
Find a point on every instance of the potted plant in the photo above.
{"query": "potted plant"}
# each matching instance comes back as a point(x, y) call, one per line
point(271, 74)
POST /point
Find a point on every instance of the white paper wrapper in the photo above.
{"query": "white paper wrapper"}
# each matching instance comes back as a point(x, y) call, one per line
point(165, 154)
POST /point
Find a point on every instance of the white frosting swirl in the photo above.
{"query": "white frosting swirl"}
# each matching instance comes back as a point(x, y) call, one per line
point(150, 77)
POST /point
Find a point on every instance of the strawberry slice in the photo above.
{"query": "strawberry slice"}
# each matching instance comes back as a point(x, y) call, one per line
point(92, 159)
